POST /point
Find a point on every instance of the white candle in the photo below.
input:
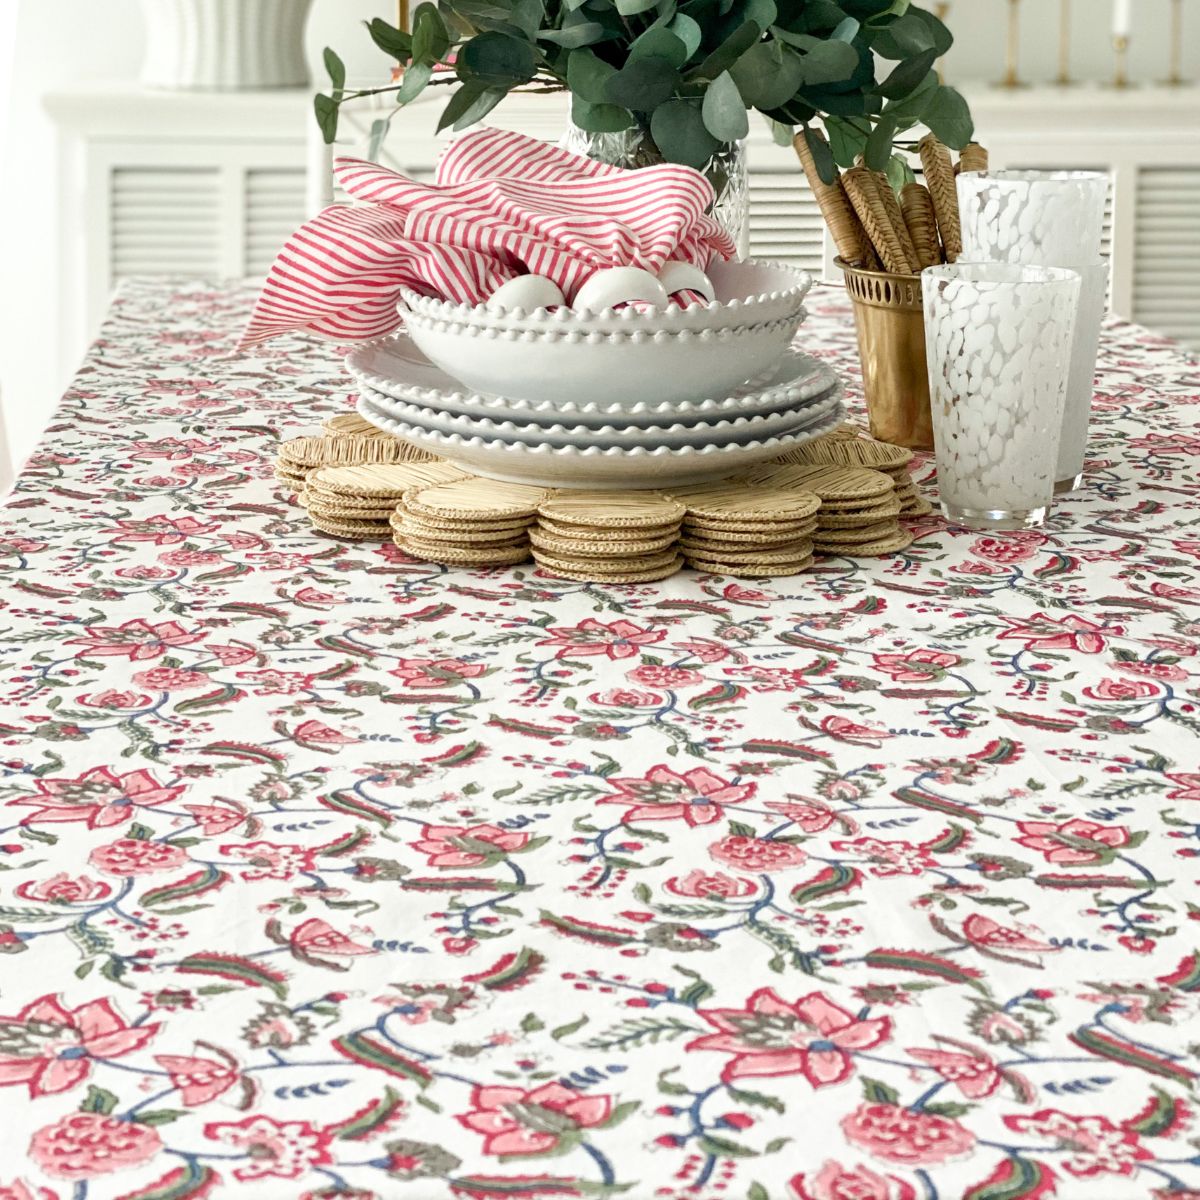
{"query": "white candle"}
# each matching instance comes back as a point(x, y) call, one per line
point(1122, 17)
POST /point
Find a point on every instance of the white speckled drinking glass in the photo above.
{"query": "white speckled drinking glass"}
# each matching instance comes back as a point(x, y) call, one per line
point(1048, 219)
point(998, 343)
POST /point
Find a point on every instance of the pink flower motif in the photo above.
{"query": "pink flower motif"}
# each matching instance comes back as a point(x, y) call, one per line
point(1095, 1145)
point(98, 796)
point(171, 679)
point(757, 854)
point(1188, 787)
point(214, 818)
point(845, 730)
point(991, 935)
point(620, 639)
point(665, 676)
point(20, 1190)
point(1165, 671)
point(812, 1037)
point(200, 1080)
point(1072, 632)
point(811, 815)
point(917, 666)
point(436, 673)
point(516, 1122)
point(317, 733)
point(316, 936)
point(899, 1135)
point(627, 698)
point(64, 888)
point(889, 858)
point(265, 860)
point(835, 1182)
point(50, 1048)
point(975, 1075)
point(715, 885)
point(1073, 843)
point(468, 846)
point(662, 794)
point(232, 655)
point(275, 1149)
point(136, 640)
point(161, 530)
point(84, 1145)
point(1012, 548)
point(133, 856)
point(1123, 689)
point(114, 700)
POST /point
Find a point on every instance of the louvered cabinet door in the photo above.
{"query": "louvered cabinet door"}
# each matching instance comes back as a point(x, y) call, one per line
point(1166, 257)
point(273, 207)
point(785, 223)
point(164, 221)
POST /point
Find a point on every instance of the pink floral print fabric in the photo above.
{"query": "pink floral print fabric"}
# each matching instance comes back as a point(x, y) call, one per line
point(328, 873)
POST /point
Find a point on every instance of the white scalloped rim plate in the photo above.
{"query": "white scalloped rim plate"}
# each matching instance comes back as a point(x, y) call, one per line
point(394, 367)
point(679, 434)
point(545, 465)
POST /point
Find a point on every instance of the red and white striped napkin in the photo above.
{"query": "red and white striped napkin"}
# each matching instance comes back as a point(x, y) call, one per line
point(501, 205)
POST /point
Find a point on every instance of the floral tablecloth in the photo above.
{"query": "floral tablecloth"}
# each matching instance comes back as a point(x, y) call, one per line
point(327, 873)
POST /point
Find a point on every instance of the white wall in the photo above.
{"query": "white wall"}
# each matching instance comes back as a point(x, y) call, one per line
point(66, 43)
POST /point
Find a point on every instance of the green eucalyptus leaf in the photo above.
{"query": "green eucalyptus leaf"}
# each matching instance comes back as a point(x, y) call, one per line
point(494, 60)
point(728, 52)
point(642, 84)
point(907, 76)
point(413, 83)
point(431, 39)
point(469, 104)
point(943, 39)
point(631, 8)
point(841, 104)
point(949, 118)
point(794, 112)
point(908, 111)
point(326, 109)
point(687, 31)
point(599, 118)
point(846, 31)
point(659, 42)
point(781, 132)
point(829, 62)
point(768, 74)
point(392, 41)
point(822, 155)
point(902, 38)
point(586, 76)
point(678, 130)
point(762, 12)
point(847, 140)
point(723, 110)
point(899, 173)
point(815, 16)
point(575, 35)
point(528, 15)
point(336, 69)
point(879, 145)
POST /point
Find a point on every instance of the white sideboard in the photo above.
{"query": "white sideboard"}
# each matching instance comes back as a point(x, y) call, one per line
point(210, 184)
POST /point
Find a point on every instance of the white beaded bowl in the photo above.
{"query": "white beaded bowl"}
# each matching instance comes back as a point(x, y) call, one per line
point(634, 355)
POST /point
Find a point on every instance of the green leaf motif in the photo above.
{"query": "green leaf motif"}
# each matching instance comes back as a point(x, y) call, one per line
point(98, 1100)
point(723, 111)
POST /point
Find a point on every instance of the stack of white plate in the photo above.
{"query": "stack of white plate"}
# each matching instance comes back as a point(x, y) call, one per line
point(609, 400)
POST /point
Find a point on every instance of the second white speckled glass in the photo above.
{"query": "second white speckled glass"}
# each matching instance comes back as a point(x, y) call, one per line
point(998, 343)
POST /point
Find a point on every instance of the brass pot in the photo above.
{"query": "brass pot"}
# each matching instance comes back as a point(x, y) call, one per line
point(890, 321)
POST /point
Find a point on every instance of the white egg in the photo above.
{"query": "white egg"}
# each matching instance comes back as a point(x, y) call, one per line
point(527, 292)
point(618, 285)
point(680, 276)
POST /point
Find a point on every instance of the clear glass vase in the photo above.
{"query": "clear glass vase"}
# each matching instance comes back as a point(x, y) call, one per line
point(726, 171)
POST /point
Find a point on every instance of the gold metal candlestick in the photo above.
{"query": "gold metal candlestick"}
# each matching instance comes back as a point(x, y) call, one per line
point(1121, 53)
point(1175, 62)
point(401, 14)
point(1011, 78)
point(1063, 78)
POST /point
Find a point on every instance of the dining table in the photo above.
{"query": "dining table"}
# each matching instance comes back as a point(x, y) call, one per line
point(330, 873)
